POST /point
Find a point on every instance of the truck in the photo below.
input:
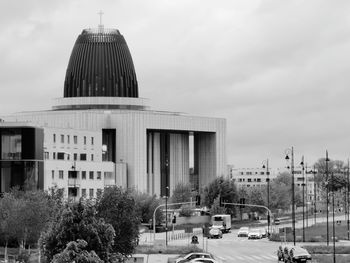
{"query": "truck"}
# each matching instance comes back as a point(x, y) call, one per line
point(223, 222)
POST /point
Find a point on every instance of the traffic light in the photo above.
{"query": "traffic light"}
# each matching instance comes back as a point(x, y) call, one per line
point(198, 200)
point(174, 220)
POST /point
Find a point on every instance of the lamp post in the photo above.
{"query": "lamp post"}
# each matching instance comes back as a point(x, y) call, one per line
point(291, 152)
point(347, 198)
point(303, 185)
point(166, 215)
point(327, 198)
point(266, 165)
point(333, 217)
point(314, 173)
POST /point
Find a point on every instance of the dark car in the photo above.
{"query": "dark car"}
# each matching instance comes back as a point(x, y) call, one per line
point(293, 254)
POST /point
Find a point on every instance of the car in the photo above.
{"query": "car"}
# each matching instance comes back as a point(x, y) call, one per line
point(263, 233)
point(254, 233)
point(215, 233)
point(294, 254)
point(276, 221)
point(243, 231)
point(204, 260)
point(193, 255)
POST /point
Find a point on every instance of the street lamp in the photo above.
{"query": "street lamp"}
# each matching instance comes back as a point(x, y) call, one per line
point(314, 173)
point(166, 215)
point(303, 185)
point(327, 198)
point(291, 152)
point(266, 165)
point(333, 217)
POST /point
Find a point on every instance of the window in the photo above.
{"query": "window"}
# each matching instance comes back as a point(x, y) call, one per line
point(60, 174)
point(83, 192)
point(91, 193)
point(54, 156)
point(92, 140)
point(92, 157)
point(60, 156)
point(98, 192)
point(53, 174)
point(84, 140)
point(62, 138)
point(249, 179)
point(68, 139)
point(98, 175)
point(258, 180)
point(47, 156)
point(83, 175)
point(54, 137)
point(75, 138)
point(83, 157)
point(75, 156)
point(91, 175)
point(262, 173)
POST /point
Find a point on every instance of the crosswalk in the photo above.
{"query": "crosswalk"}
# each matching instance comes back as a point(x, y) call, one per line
point(247, 258)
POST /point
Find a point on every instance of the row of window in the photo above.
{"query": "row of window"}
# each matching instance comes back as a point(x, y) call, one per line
point(76, 157)
point(75, 139)
point(83, 175)
point(91, 192)
point(251, 173)
point(258, 180)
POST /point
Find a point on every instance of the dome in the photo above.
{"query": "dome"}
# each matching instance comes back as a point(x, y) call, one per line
point(100, 66)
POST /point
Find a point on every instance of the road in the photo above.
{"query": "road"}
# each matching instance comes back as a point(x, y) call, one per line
point(239, 249)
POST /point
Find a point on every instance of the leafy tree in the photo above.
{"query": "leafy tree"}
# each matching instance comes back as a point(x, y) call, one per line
point(216, 208)
point(118, 207)
point(256, 196)
point(331, 174)
point(146, 204)
point(75, 252)
point(182, 193)
point(78, 221)
point(220, 187)
point(185, 210)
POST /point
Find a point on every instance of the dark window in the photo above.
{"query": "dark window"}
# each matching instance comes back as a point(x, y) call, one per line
point(83, 192)
point(75, 138)
point(258, 180)
point(60, 174)
point(98, 192)
point(91, 193)
point(91, 175)
point(62, 138)
point(84, 140)
point(75, 156)
point(60, 156)
point(54, 156)
point(83, 157)
point(83, 175)
point(92, 157)
point(47, 155)
point(53, 174)
point(68, 139)
point(54, 137)
point(92, 140)
point(249, 180)
point(98, 175)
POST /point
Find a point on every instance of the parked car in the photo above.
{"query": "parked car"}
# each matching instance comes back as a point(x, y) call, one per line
point(204, 260)
point(263, 233)
point(194, 255)
point(243, 231)
point(293, 254)
point(254, 233)
point(215, 233)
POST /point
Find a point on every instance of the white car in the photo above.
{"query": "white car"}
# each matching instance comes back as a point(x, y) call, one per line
point(254, 233)
point(192, 256)
point(205, 260)
point(243, 231)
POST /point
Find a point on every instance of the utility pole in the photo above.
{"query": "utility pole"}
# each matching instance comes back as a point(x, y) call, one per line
point(327, 192)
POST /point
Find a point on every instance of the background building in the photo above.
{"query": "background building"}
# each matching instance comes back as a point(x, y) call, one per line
point(101, 133)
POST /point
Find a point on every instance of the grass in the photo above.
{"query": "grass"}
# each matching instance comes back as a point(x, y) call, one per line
point(329, 258)
point(316, 233)
point(149, 249)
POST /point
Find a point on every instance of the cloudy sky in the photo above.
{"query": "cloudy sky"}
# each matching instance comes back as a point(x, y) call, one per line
point(277, 71)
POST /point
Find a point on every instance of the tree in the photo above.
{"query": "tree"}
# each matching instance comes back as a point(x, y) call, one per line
point(78, 221)
point(182, 193)
point(216, 209)
point(118, 207)
point(220, 187)
point(145, 206)
point(74, 252)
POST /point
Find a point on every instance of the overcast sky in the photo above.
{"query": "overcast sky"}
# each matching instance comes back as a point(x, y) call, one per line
point(277, 71)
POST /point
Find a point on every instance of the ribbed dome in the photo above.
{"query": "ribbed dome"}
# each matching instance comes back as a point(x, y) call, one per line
point(100, 65)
